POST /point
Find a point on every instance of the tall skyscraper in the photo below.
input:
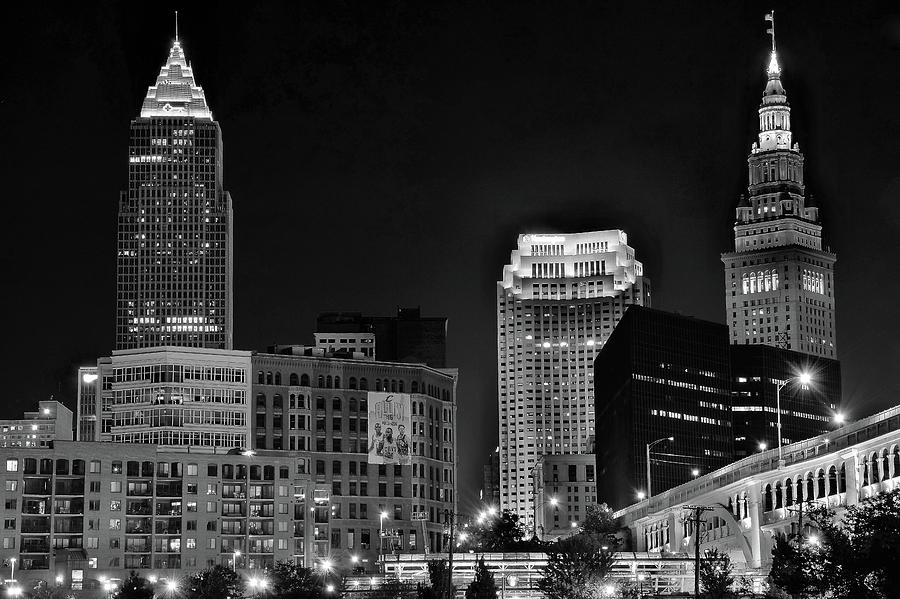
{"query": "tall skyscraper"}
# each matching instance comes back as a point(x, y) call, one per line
point(558, 301)
point(174, 264)
point(779, 282)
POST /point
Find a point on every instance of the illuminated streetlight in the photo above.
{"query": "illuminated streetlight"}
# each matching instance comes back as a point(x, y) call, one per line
point(329, 588)
point(641, 495)
point(354, 559)
point(814, 540)
point(649, 445)
point(804, 379)
point(839, 418)
point(236, 554)
point(554, 501)
point(695, 472)
point(763, 446)
point(172, 586)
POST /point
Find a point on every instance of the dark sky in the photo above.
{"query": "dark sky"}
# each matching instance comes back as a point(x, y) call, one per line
point(383, 155)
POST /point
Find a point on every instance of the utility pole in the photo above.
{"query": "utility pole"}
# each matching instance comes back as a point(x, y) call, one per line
point(448, 515)
point(698, 510)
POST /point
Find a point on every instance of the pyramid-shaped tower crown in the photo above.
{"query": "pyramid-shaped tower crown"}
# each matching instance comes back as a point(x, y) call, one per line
point(175, 92)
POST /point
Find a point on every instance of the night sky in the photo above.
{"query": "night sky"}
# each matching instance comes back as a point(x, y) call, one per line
point(388, 155)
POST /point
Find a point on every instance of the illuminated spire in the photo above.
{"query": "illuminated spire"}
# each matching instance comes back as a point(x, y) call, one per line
point(175, 93)
point(773, 69)
point(774, 111)
point(176, 25)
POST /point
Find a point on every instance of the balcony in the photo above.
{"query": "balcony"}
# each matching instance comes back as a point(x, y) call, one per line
point(168, 528)
point(73, 525)
point(36, 525)
point(168, 489)
point(70, 486)
point(35, 546)
point(138, 507)
point(138, 526)
point(37, 486)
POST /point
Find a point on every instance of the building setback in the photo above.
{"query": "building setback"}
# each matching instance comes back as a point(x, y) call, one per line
point(318, 407)
point(558, 301)
point(806, 410)
point(661, 375)
point(171, 396)
point(174, 259)
point(779, 282)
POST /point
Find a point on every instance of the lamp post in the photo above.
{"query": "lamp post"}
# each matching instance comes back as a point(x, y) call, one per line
point(804, 379)
point(235, 554)
point(649, 445)
point(12, 568)
point(381, 518)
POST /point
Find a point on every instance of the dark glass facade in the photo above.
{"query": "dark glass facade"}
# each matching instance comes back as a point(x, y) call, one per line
point(806, 410)
point(660, 375)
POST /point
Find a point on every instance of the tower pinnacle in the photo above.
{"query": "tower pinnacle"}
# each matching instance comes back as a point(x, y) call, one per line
point(176, 26)
point(771, 30)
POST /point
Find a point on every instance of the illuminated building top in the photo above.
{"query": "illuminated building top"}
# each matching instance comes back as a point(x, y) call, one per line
point(175, 92)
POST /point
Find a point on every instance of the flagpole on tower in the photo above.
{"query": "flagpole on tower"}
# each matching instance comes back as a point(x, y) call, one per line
point(176, 25)
point(771, 30)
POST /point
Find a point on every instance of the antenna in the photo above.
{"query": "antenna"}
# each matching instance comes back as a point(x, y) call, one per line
point(176, 27)
point(771, 30)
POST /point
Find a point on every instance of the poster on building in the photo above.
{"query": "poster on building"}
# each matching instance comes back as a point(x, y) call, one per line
point(390, 428)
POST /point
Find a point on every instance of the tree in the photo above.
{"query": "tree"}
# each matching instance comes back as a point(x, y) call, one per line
point(134, 587)
point(599, 520)
point(715, 576)
point(576, 568)
point(290, 581)
point(504, 533)
point(437, 575)
point(856, 556)
point(218, 582)
point(483, 585)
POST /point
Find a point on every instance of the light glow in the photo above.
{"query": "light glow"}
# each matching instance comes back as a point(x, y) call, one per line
point(172, 586)
point(89, 378)
point(641, 495)
point(805, 378)
point(773, 69)
point(839, 418)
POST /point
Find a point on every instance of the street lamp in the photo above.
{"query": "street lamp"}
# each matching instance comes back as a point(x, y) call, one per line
point(381, 518)
point(172, 586)
point(649, 445)
point(695, 472)
point(840, 418)
point(804, 379)
point(12, 568)
point(236, 554)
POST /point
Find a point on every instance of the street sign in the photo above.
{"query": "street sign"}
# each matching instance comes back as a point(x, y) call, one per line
point(419, 515)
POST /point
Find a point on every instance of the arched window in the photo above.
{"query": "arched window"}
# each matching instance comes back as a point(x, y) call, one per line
point(767, 498)
point(778, 499)
point(810, 492)
point(304, 380)
point(873, 471)
point(885, 465)
point(788, 492)
point(352, 404)
point(413, 407)
point(895, 458)
point(843, 479)
point(277, 402)
point(336, 404)
point(328, 382)
point(269, 378)
point(363, 384)
point(820, 484)
point(865, 471)
point(260, 377)
point(352, 382)
point(277, 378)
point(261, 401)
point(393, 386)
point(400, 386)
point(294, 380)
point(378, 384)
point(832, 481)
point(337, 382)
point(415, 386)
point(320, 381)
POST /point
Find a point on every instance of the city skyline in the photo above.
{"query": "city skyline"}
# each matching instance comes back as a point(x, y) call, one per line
point(562, 166)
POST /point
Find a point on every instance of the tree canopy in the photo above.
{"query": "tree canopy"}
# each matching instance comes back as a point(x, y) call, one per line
point(577, 568)
point(856, 555)
point(483, 585)
point(218, 582)
point(134, 587)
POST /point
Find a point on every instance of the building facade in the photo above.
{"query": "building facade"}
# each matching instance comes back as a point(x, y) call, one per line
point(318, 407)
point(661, 376)
point(407, 337)
point(806, 410)
point(756, 498)
point(169, 396)
point(558, 301)
point(174, 259)
point(52, 421)
point(564, 486)
point(779, 281)
point(84, 512)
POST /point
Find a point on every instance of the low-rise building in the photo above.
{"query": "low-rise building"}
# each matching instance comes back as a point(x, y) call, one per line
point(564, 486)
point(52, 421)
point(82, 512)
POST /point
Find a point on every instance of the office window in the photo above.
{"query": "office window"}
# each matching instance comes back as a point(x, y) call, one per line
point(12, 465)
point(115, 486)
point(115, 524)
point(11, 485)
point(192, 469)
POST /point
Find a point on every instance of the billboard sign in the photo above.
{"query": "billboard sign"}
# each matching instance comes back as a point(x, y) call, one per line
point(390, 428)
